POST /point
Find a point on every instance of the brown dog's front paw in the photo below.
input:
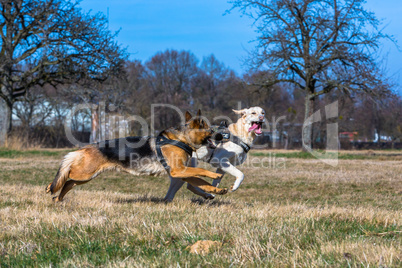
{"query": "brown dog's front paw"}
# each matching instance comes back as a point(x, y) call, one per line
point(222, 191)
point(216, 176)
point(48, 188)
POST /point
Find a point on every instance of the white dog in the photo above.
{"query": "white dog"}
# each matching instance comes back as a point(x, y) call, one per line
point(229, 154)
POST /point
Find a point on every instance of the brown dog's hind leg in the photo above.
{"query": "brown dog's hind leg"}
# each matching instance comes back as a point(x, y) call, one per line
point(77, 178)
point(66, 188)
point(205, 186)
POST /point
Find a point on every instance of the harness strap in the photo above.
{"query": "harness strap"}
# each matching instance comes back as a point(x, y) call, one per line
point(236, 140)
point(213, 152)
point(162, 140)
point(245, 146)
point(227, 136)
point(241, 143)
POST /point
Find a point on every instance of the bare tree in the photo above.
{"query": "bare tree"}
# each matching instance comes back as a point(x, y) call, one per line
point(170, 76)
point(33, 108)
point(318, 45)
point(50, 42)
point(139, 96)
point(380, 118)
point(394, 119)
point(207, 84)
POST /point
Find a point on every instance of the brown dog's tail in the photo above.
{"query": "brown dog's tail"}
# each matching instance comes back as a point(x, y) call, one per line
point(64, 171)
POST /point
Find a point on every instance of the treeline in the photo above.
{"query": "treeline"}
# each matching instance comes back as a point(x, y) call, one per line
point(180, 79)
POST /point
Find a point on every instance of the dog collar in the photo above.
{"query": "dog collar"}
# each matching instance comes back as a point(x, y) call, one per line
point(162, 140)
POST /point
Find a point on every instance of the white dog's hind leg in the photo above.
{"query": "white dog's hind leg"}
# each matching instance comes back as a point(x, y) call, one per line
point(175, 185)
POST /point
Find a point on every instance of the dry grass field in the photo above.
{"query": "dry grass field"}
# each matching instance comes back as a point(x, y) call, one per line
point(291, 211)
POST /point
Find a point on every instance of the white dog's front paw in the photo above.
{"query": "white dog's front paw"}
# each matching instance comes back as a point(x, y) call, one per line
point(236, 185)
point(234, 188)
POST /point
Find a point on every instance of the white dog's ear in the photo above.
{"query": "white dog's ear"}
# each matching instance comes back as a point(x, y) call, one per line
point(242, 112)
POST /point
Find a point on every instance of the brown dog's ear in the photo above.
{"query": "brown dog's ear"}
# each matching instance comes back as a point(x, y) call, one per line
point(242, 112)
point(197, 122)
point(188, 116)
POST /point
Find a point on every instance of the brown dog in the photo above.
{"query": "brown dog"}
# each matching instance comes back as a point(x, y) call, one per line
point(139, 156)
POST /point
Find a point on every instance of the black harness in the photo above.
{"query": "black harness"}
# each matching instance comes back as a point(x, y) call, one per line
point(241, 143)
point(162, 140)
point(226, 136)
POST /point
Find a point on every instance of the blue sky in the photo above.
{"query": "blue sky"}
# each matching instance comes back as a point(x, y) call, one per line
point(200, 26)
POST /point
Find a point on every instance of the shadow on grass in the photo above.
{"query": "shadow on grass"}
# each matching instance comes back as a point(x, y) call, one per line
point(208, 202)
point(142, 199)
point(158, 200)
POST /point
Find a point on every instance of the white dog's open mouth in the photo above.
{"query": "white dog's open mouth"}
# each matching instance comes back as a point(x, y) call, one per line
point(256, 127)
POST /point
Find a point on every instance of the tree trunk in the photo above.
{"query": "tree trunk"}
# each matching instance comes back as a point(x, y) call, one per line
point(94, 126)
point(10, 118)
point(5, 121)
point(379, 138)
point(307, 134)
